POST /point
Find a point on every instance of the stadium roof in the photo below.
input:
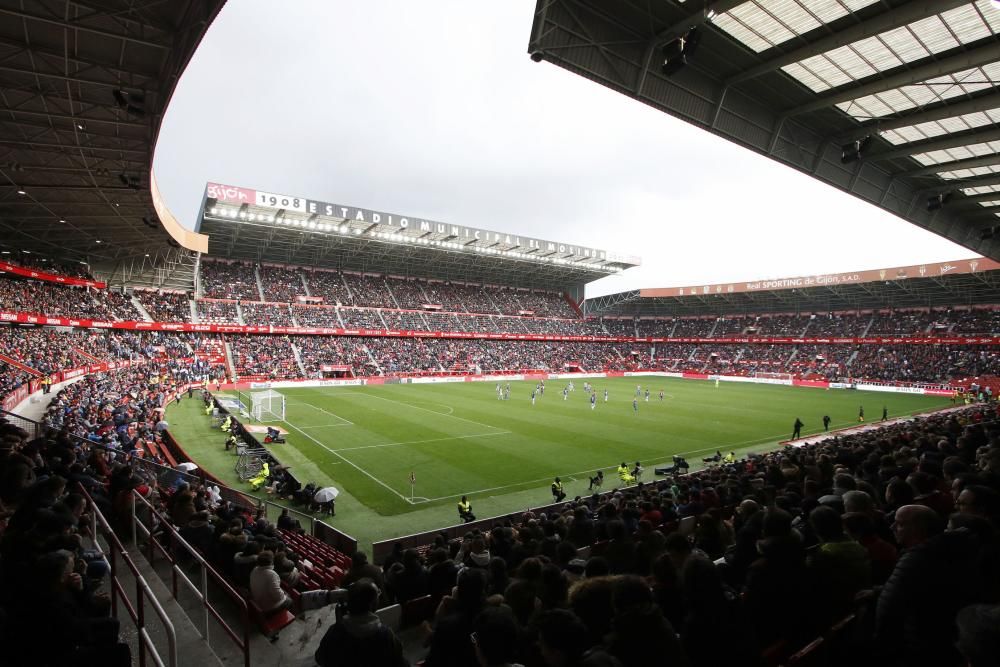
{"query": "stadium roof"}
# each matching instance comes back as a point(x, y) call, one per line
point(893, 101)
point(83, 88)
point(259, 226)
point(968, 282)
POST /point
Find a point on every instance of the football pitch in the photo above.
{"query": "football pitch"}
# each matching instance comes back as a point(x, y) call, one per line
point(459, 439)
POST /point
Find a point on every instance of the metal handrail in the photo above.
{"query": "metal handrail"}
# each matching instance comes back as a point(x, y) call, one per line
point(143, 593)
point(207, 572)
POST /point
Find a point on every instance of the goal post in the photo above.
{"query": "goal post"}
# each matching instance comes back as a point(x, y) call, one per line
point(267, 406)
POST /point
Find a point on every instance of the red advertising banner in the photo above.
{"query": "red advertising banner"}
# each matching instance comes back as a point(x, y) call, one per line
point(329, 368)
point(931, 270)
point(50, 277)
point(25, 318)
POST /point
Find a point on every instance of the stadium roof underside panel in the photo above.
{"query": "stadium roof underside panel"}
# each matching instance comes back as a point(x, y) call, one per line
point(83, 89)
point(893, 101)
point(967, 289)
point(245, 225)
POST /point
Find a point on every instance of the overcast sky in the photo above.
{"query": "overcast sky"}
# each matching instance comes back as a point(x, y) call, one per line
point(433, 109)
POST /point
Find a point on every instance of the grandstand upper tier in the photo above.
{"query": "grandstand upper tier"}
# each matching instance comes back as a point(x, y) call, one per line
point(893, 101)
point(253, 225)
point(962, 282)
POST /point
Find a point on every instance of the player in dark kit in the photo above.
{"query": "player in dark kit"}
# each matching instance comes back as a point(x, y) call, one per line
point(826, 422)
point(797, 429)
point(885, 413)
point(861, 413)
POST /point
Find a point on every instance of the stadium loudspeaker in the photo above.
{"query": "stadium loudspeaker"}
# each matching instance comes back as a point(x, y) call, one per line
point(853, 151)
point(538, 56)
point(677, 52)
point(936, 202)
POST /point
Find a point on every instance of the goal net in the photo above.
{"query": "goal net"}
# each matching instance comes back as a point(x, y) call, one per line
point(267, 406)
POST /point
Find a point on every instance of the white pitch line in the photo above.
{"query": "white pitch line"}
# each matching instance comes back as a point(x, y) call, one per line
point(358, 468)
point(417, 407)
point(306, 428)
point(347, 422)
point(731, 446)
point(417, 442)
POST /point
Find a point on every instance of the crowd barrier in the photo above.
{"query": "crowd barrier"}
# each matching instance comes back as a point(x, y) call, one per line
point(144, 596)
point(161, 537)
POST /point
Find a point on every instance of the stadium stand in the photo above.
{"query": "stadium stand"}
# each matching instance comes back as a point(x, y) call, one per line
point(217, 312)
point(225, 280)
point(165, 306)
point(281, 283)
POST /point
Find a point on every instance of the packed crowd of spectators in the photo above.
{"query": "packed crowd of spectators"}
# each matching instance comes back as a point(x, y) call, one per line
point(616, 326)
point(165, 306)
point(281, 284)
point(263, 314)
point(39, 298)
point(12, 378)
point(369, 291)
point(361, 318)
point(71, 269)
point(977, 321)
point(217, 312)
point(778, 325)
point(923, 363)
point(224, 280)
point(883, 542)
point(269, 357)
point(53, 575)
point(316, 316)
point(329, 286)
point(903, 323)
point(318, 350)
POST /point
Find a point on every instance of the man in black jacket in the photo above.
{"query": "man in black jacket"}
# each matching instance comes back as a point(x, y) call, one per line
point(360, 638)
point(936, 575)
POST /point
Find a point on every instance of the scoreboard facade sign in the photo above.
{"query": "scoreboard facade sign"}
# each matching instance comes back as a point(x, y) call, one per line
point(393, 221)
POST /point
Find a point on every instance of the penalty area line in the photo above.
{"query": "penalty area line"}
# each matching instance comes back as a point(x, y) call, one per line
point(346, 422)
point(418, 442)
point(353, 465)
point(417, 407)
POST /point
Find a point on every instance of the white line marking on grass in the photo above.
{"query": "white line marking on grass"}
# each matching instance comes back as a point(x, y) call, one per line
point(356, 467)
point(417, 442)
point(731, 446)
point(417, 407)
point(346, 422)
point(306, 428)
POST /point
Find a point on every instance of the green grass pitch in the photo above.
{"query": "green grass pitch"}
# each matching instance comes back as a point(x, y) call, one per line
point(457, 438)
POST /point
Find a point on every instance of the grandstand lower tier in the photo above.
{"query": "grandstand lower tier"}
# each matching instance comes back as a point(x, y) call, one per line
point(30, 354)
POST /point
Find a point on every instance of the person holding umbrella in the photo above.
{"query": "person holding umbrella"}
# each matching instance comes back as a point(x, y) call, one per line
point(325, 498)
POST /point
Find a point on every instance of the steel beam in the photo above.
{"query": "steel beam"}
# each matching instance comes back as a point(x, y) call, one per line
point(893, 18)
point(971, 163)
point(904, 75)
point(978, 136)
point(947, 109)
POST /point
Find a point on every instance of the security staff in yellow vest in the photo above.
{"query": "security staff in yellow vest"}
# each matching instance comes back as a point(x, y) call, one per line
point(730, 458)
point(465, 510)
point(557, 491)
point(228, 423)
point(624, 474)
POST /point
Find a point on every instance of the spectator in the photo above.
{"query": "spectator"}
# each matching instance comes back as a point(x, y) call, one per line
point(359, 638)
